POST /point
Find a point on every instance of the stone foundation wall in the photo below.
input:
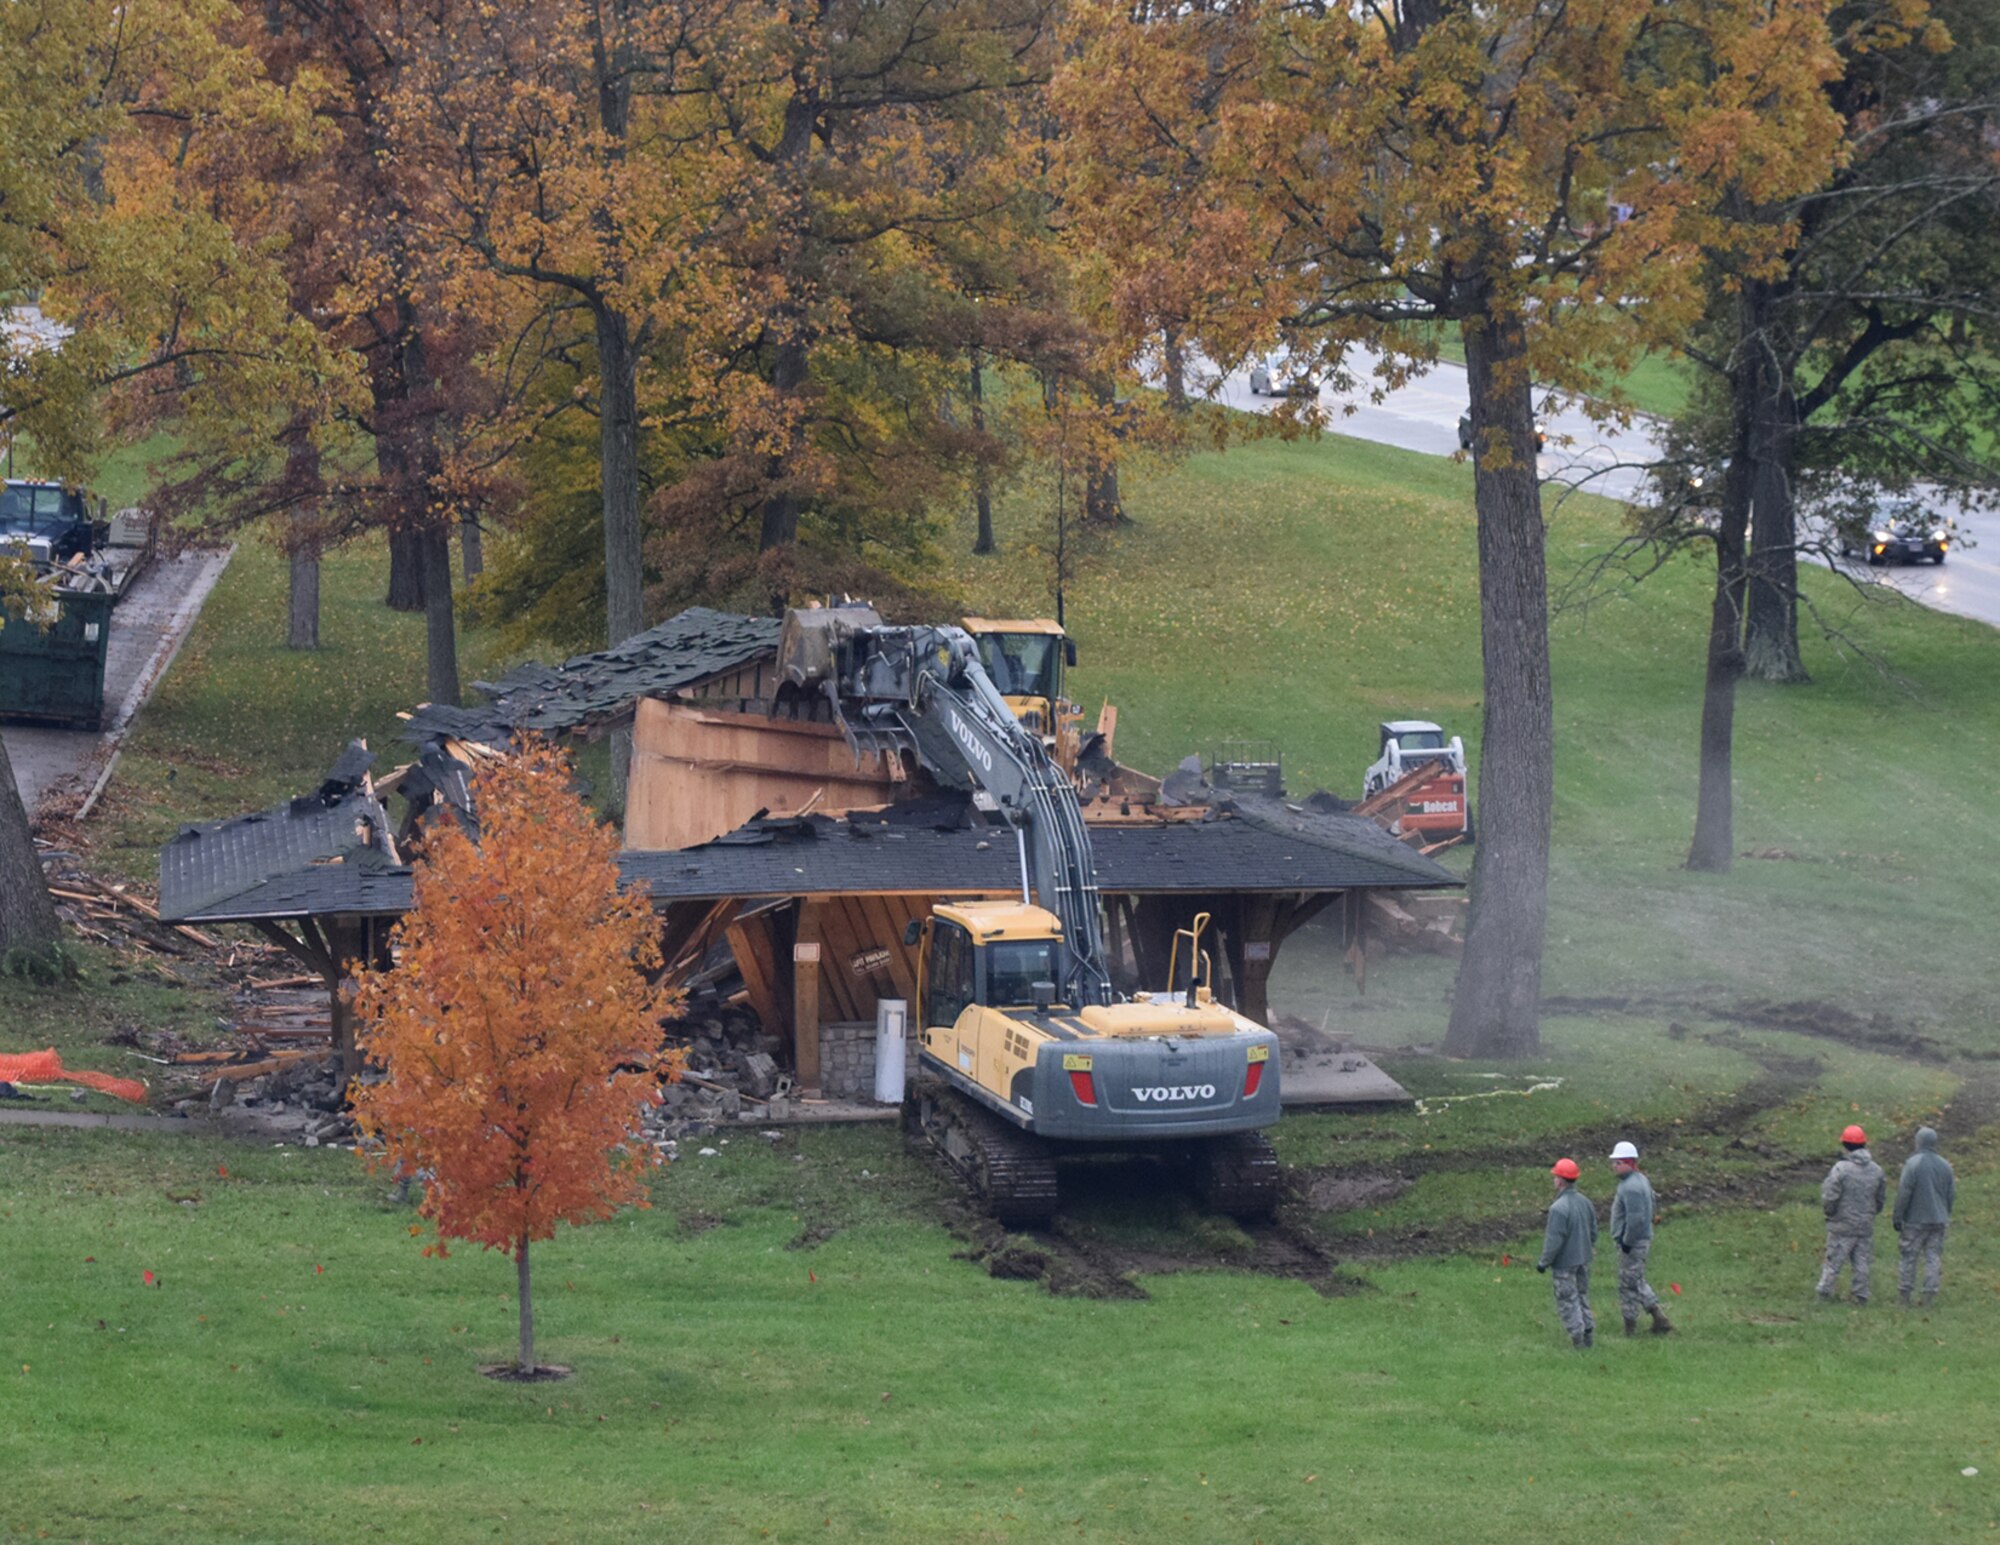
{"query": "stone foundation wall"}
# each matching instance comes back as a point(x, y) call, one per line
point(847, 1058)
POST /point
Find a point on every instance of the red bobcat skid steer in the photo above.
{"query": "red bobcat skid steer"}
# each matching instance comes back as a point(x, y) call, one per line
point(1417, 785)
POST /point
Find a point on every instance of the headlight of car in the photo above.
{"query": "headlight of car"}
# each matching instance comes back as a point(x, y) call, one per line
point(1879, 536)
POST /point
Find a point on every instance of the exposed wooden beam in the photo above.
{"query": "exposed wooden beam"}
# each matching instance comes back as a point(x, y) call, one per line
point(805, 998)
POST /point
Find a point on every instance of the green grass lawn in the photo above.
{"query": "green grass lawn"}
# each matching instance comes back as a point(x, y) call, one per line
point(879, 1385)
point(241, 721)
point(299, 1372)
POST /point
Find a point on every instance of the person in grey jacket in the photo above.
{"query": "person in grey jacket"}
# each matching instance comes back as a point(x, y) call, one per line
point(1567, 1248)
point(1632, 1231)
point(1924, 1194)
point(1852, 1194)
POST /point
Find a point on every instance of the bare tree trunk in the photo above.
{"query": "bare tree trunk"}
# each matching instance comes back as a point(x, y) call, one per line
point(302, 598)
point(27, 914)
point(527, 1305)
point(624, 553)
point(1173, 363)
point(618, 451)
point(472, 547)
point(1713, 849)
point(410, 453)
point(791, 358)
point(779, 526)
point(1101, 501)
point(1496, 1009)
point(983, 493)
point(440, 626)
point(406, 569)
point(1771, 633)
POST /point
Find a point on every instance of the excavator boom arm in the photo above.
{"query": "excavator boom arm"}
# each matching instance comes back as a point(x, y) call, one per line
point(923, 689)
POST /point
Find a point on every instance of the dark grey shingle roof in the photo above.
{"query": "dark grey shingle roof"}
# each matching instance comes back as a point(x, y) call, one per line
point(868, 856)
point(323, 890)
point(208, 871)
point(690, 647)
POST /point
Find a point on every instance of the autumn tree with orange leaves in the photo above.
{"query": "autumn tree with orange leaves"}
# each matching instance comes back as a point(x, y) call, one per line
point(1540, 177)
point(520, 1034)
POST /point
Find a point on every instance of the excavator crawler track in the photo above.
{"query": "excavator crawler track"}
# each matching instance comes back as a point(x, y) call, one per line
point(1012, 1172)
point(1238, 1175)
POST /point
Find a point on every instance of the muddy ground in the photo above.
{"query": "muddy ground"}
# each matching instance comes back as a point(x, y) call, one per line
point(1075, 1257)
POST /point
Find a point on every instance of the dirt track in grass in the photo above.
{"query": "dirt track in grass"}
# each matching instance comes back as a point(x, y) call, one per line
point(1075, 1256)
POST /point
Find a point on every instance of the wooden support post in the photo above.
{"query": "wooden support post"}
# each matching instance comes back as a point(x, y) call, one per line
point(347, 943)
point(805, 997)
point(1357, 939)
point(1253, 947)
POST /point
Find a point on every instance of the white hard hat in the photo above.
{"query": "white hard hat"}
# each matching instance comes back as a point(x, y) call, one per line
point(1625, 1151)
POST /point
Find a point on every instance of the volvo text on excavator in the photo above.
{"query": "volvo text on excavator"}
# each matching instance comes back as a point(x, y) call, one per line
point(1024, 1052)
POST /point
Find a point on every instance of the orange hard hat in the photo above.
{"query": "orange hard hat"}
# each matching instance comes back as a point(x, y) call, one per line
point(1566, 1168)
point(1854, 1135)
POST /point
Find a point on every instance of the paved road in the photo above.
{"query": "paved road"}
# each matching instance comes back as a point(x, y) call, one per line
point(146, 630)
point(1612, 460)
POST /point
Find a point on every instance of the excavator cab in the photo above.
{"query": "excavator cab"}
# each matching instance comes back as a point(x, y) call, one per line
point(1025, 659)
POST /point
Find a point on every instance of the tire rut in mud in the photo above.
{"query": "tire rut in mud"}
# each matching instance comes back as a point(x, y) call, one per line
point(1781, 1080)
point(1069, 1261)
point(1873, 1032)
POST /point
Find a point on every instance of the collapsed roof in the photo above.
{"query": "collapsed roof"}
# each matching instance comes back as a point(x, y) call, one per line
point(323, 853)
point(588, 690)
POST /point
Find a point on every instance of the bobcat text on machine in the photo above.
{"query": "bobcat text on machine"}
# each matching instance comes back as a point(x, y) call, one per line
point(1023, 1052)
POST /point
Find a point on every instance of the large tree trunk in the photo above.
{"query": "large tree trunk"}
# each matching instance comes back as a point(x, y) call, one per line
point(302, 598)
point(527, 1305)
point(982, 496)
point(1714, 846)
point(790, 365)
point(1102, 503)
point(406, 569)
point(1771, 633)
point(791, 357)
point(618, 456)
point(440, 626)
point(472, 547)
point(410, 454)
point(27, 914)
point(1173, 365)
point(1496, 1010)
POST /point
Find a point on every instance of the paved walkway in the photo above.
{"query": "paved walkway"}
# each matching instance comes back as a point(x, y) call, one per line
point(11, 1116)
point(147, 629)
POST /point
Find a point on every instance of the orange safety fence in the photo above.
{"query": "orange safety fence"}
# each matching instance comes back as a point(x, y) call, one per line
point(45, 1067)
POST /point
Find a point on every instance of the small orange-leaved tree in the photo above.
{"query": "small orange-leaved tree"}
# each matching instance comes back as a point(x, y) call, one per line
point(519, 1034)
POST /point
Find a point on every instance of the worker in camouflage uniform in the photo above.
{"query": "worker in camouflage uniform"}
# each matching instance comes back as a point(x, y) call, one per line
point(1567, 1248)
point(1853, 1193)
point(1924, 1194)
point(1632, 1232)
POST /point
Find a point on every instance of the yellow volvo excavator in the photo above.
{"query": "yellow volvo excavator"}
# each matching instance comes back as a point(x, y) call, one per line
point(1024, 1052)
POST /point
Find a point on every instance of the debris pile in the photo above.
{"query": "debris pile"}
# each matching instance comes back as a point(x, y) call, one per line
point(732, 1075)
point(288, 1096)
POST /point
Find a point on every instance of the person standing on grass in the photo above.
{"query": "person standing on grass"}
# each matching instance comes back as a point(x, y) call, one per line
point(1853, 1193)
point(1632, 1231)
point(1567, 1248)
point(1924, 1194)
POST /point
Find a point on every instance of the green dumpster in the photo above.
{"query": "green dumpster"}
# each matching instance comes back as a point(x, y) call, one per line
point(55, 672)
